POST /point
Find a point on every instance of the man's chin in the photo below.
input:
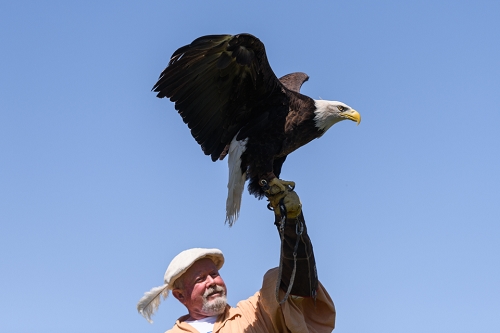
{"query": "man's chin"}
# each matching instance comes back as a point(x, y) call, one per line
point(215, 306)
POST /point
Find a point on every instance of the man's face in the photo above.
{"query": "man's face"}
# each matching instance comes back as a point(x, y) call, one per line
point(204, 292)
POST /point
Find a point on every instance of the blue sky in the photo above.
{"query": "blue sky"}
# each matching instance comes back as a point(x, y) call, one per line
point(101, 183)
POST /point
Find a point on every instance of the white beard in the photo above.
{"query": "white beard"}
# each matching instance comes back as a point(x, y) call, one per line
point(217, 305)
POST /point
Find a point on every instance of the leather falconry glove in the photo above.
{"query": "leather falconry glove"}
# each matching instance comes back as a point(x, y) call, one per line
point(297, 263)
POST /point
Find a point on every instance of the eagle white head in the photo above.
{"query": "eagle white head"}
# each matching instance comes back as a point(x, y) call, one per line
point(328, 113)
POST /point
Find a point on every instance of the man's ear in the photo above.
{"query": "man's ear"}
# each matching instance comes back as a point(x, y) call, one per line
point(179, 294)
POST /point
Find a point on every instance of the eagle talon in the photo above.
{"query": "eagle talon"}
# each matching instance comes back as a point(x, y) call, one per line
point(285, 203)
point(276, 186)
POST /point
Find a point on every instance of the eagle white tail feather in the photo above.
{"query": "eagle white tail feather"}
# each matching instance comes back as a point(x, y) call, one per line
point(237, 179)
point(150, 302)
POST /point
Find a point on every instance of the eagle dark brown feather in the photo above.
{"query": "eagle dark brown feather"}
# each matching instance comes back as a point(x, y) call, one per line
point(294, 81)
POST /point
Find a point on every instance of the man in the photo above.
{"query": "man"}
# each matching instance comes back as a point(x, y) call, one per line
point(193, 276)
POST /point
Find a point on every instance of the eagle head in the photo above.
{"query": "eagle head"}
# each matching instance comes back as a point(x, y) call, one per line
point(328, 113)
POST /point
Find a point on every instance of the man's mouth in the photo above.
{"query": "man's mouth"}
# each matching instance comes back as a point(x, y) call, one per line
point(215, 293)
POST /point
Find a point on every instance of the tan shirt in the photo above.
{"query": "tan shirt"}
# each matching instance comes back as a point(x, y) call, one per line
point(262, 313)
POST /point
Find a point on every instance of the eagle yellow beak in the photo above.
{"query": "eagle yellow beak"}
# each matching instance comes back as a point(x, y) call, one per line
point(353, 115)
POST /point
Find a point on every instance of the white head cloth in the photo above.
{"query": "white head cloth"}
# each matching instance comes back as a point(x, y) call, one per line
point(150, 302)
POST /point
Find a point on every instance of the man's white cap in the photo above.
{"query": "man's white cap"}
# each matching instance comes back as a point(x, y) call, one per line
point(150, 302)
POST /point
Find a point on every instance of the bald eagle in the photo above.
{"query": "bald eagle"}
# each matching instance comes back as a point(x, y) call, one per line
point(226, 92)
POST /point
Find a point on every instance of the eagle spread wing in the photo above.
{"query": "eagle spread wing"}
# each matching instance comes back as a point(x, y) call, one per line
point(217, 82)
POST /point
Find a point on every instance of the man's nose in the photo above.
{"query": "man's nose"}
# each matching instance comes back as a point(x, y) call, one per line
point(210, 280)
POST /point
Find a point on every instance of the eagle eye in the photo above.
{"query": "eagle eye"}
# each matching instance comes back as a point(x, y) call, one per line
point(341, 108)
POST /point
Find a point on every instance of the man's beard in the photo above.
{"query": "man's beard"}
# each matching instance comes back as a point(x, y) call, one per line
point(217, 305)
